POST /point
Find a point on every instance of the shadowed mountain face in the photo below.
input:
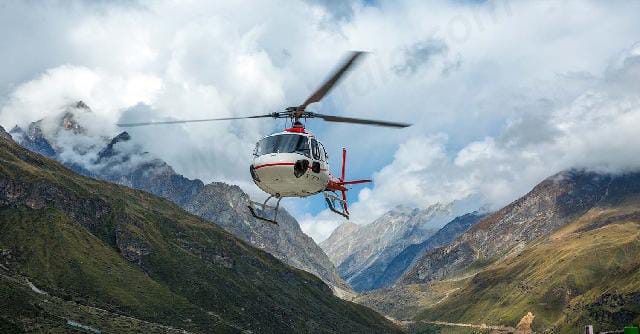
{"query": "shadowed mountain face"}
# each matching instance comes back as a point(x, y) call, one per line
point(363, 253)
point(121, 161)
point(403, 261)
point(76, 248)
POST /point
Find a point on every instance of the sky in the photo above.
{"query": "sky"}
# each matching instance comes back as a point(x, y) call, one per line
point(501, 94)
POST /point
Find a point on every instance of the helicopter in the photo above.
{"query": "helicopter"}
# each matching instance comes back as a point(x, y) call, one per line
point(293, 162)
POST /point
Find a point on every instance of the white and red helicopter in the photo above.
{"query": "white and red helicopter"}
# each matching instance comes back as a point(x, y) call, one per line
point(293, 163)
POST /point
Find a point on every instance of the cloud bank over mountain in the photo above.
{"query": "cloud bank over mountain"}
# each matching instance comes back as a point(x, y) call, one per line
point(502, 93)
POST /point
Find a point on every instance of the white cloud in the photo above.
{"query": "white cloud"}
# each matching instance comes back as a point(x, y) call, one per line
point(595, 130)
point(502, 93)
point(60, 86)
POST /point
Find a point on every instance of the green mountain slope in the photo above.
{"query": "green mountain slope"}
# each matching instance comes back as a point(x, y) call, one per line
point(97, 245)
point(588, 272)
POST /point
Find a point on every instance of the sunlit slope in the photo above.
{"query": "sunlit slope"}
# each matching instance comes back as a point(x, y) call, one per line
point(128, 252)
point(585, 273)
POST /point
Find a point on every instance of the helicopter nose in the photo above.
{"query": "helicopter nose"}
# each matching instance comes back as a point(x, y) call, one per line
point(254, 175)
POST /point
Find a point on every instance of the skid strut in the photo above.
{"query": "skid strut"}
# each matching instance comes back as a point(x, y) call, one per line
point(331, 199)
point(263, 209)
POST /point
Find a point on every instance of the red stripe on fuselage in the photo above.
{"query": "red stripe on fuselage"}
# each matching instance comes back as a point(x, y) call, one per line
point(275, 164)
point(282, 164)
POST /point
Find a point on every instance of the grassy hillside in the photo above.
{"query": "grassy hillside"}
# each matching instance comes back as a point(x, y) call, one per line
point(586, 273)
point(99, 245)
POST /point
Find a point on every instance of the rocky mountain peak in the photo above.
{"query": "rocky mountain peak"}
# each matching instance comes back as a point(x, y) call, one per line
point(404, 261)
point(81, 105)
point(109, 150)
point(345, 228)
point(37, 136)
point(33, 139)
point(363, 251)
point(68, 120)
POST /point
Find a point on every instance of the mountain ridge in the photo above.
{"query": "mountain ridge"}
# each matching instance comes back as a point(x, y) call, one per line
point(126, 251)
point(407, 258)
point(362, 252)
point(547, 207)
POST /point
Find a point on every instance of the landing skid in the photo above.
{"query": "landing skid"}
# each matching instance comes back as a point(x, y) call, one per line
point(331, 199)
point(265, 208)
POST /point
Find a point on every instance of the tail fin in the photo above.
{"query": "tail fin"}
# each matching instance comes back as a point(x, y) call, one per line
point(344, 183)
point(342, 175)
point(344, 163)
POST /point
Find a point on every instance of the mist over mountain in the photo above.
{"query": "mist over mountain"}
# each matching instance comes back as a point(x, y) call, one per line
point(121, 160)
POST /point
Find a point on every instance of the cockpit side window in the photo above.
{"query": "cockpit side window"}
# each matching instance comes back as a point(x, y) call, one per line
point(314, 149)
point(284, 143)
point(323, 152)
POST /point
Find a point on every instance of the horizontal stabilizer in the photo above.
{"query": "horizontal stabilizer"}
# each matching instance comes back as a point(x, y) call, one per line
point(343, 183)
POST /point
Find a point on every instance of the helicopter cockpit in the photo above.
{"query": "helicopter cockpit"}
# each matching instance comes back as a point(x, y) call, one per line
point(283, 143)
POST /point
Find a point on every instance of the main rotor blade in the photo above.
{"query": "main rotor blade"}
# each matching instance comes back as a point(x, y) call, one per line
point(128, 125)
point(329, 83)
point(339, 119)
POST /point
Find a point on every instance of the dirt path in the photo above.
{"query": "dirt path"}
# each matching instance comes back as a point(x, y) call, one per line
point(446, 296)
point(493, 328)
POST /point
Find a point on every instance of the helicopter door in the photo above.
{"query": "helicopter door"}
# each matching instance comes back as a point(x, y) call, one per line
point(315, 152)
point(324, 158)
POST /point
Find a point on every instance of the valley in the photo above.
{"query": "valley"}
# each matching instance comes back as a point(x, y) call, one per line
point(568, 252)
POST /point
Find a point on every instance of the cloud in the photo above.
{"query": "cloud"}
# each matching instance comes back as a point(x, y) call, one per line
point(422, 54)
point(593, 130)
point(501, 93)
point(61, 86)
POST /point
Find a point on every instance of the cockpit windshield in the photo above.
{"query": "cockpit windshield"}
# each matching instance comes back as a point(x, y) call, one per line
point(285, 143)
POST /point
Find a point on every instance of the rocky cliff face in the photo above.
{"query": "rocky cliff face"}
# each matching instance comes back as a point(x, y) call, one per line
point(362, 253)
point(121, 161)
point(403, 262)
point(549, 206)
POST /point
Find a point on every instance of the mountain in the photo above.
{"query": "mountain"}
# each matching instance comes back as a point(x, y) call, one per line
point(80, 253)
point(121, 161)
point(403, 261)
point(362, 253)
point(552, 204)
point(584, 272)
point(565, 255)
